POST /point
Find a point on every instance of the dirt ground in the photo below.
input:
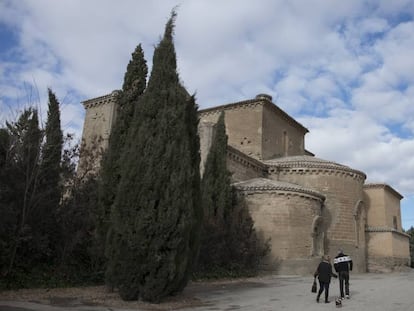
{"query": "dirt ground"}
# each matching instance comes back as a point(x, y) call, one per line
point(100, 296)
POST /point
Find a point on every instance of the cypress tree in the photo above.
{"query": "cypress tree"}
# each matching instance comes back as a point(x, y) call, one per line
point(216, 197)
point(50, 188)
point(4, 146)
point(8, 221)
point(52, 152)
point(229, 243)
point(155, 224)
point(410, 232)
point(245, 248)
point(216, 183)
point(133, 87)
point(194, 241)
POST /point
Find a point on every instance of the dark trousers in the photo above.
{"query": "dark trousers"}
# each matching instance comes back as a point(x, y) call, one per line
point(323, 286)
point(344, 278)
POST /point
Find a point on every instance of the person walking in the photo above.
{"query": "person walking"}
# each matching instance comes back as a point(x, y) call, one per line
point(324, 273)
point(343, 264)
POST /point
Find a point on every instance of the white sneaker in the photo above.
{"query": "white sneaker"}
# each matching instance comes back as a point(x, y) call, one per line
point(347, 296)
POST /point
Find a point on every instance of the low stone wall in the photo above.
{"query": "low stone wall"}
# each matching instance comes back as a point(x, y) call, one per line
point(387, 264)
point(305, 267)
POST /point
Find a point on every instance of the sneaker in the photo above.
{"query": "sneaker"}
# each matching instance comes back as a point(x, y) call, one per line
point(347, 296)
point(342, 298)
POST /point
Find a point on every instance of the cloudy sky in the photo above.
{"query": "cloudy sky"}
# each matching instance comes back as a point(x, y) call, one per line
point(344, 69)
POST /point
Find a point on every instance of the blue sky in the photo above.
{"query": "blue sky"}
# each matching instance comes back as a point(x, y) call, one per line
point(344, 69)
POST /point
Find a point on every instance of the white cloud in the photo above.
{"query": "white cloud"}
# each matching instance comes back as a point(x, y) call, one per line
point(343, 68)
point(356, 140)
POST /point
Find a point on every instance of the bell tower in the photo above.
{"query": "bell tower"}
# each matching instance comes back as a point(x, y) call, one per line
point(100, 115)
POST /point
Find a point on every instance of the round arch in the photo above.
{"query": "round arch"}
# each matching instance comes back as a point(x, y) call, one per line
point(317, 236)
point(360, 219)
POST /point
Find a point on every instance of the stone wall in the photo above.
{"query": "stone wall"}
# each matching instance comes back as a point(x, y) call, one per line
point(281, 135)
point(258, 128)
point(387, 248)
point(100, 115)
point(387, 264)
point(243, 126)
point(384, 206)
point(388, 245)
point(286, 215)
point(243, 167)
point(205, 131)
point(343, 213)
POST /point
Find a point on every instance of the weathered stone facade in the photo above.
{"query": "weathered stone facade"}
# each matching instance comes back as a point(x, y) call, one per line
point(99, 118)
point(342, 188)
point(291, 216)
point(260, 130)
point(306, 206)
point(387, 247)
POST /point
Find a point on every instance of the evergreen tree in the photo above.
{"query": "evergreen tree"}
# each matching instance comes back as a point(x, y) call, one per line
point(52, 153)
point(8, 217)
point(229, 243)
point(410, 232)
point(79, 259)
point(245, 248)
point(19, 184)
point(50, 188)
point(4, 146)
point(195, 236)
point(133, 87)
point(156, 206)
point(216, 183)
point(216, 196)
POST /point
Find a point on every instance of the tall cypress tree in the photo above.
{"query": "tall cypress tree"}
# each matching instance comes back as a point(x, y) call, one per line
point(216, 197)
point(410, 232)
point(216, 183)
point(8, 223)
point(157, 203)
point(229, 243)
point(133, 87)
point(4, 145)
point(194, 242)
point(50, 188)
point(52, 151)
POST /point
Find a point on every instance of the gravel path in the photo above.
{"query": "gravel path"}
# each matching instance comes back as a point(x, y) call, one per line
point(369, 292)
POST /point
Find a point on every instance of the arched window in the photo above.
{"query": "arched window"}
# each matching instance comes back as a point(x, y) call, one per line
point(360, 223)
point(317, 237)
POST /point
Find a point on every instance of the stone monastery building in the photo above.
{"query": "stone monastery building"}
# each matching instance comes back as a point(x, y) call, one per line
point(307, 206)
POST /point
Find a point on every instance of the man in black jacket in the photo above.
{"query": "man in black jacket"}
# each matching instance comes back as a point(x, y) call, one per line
point(343, 264)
